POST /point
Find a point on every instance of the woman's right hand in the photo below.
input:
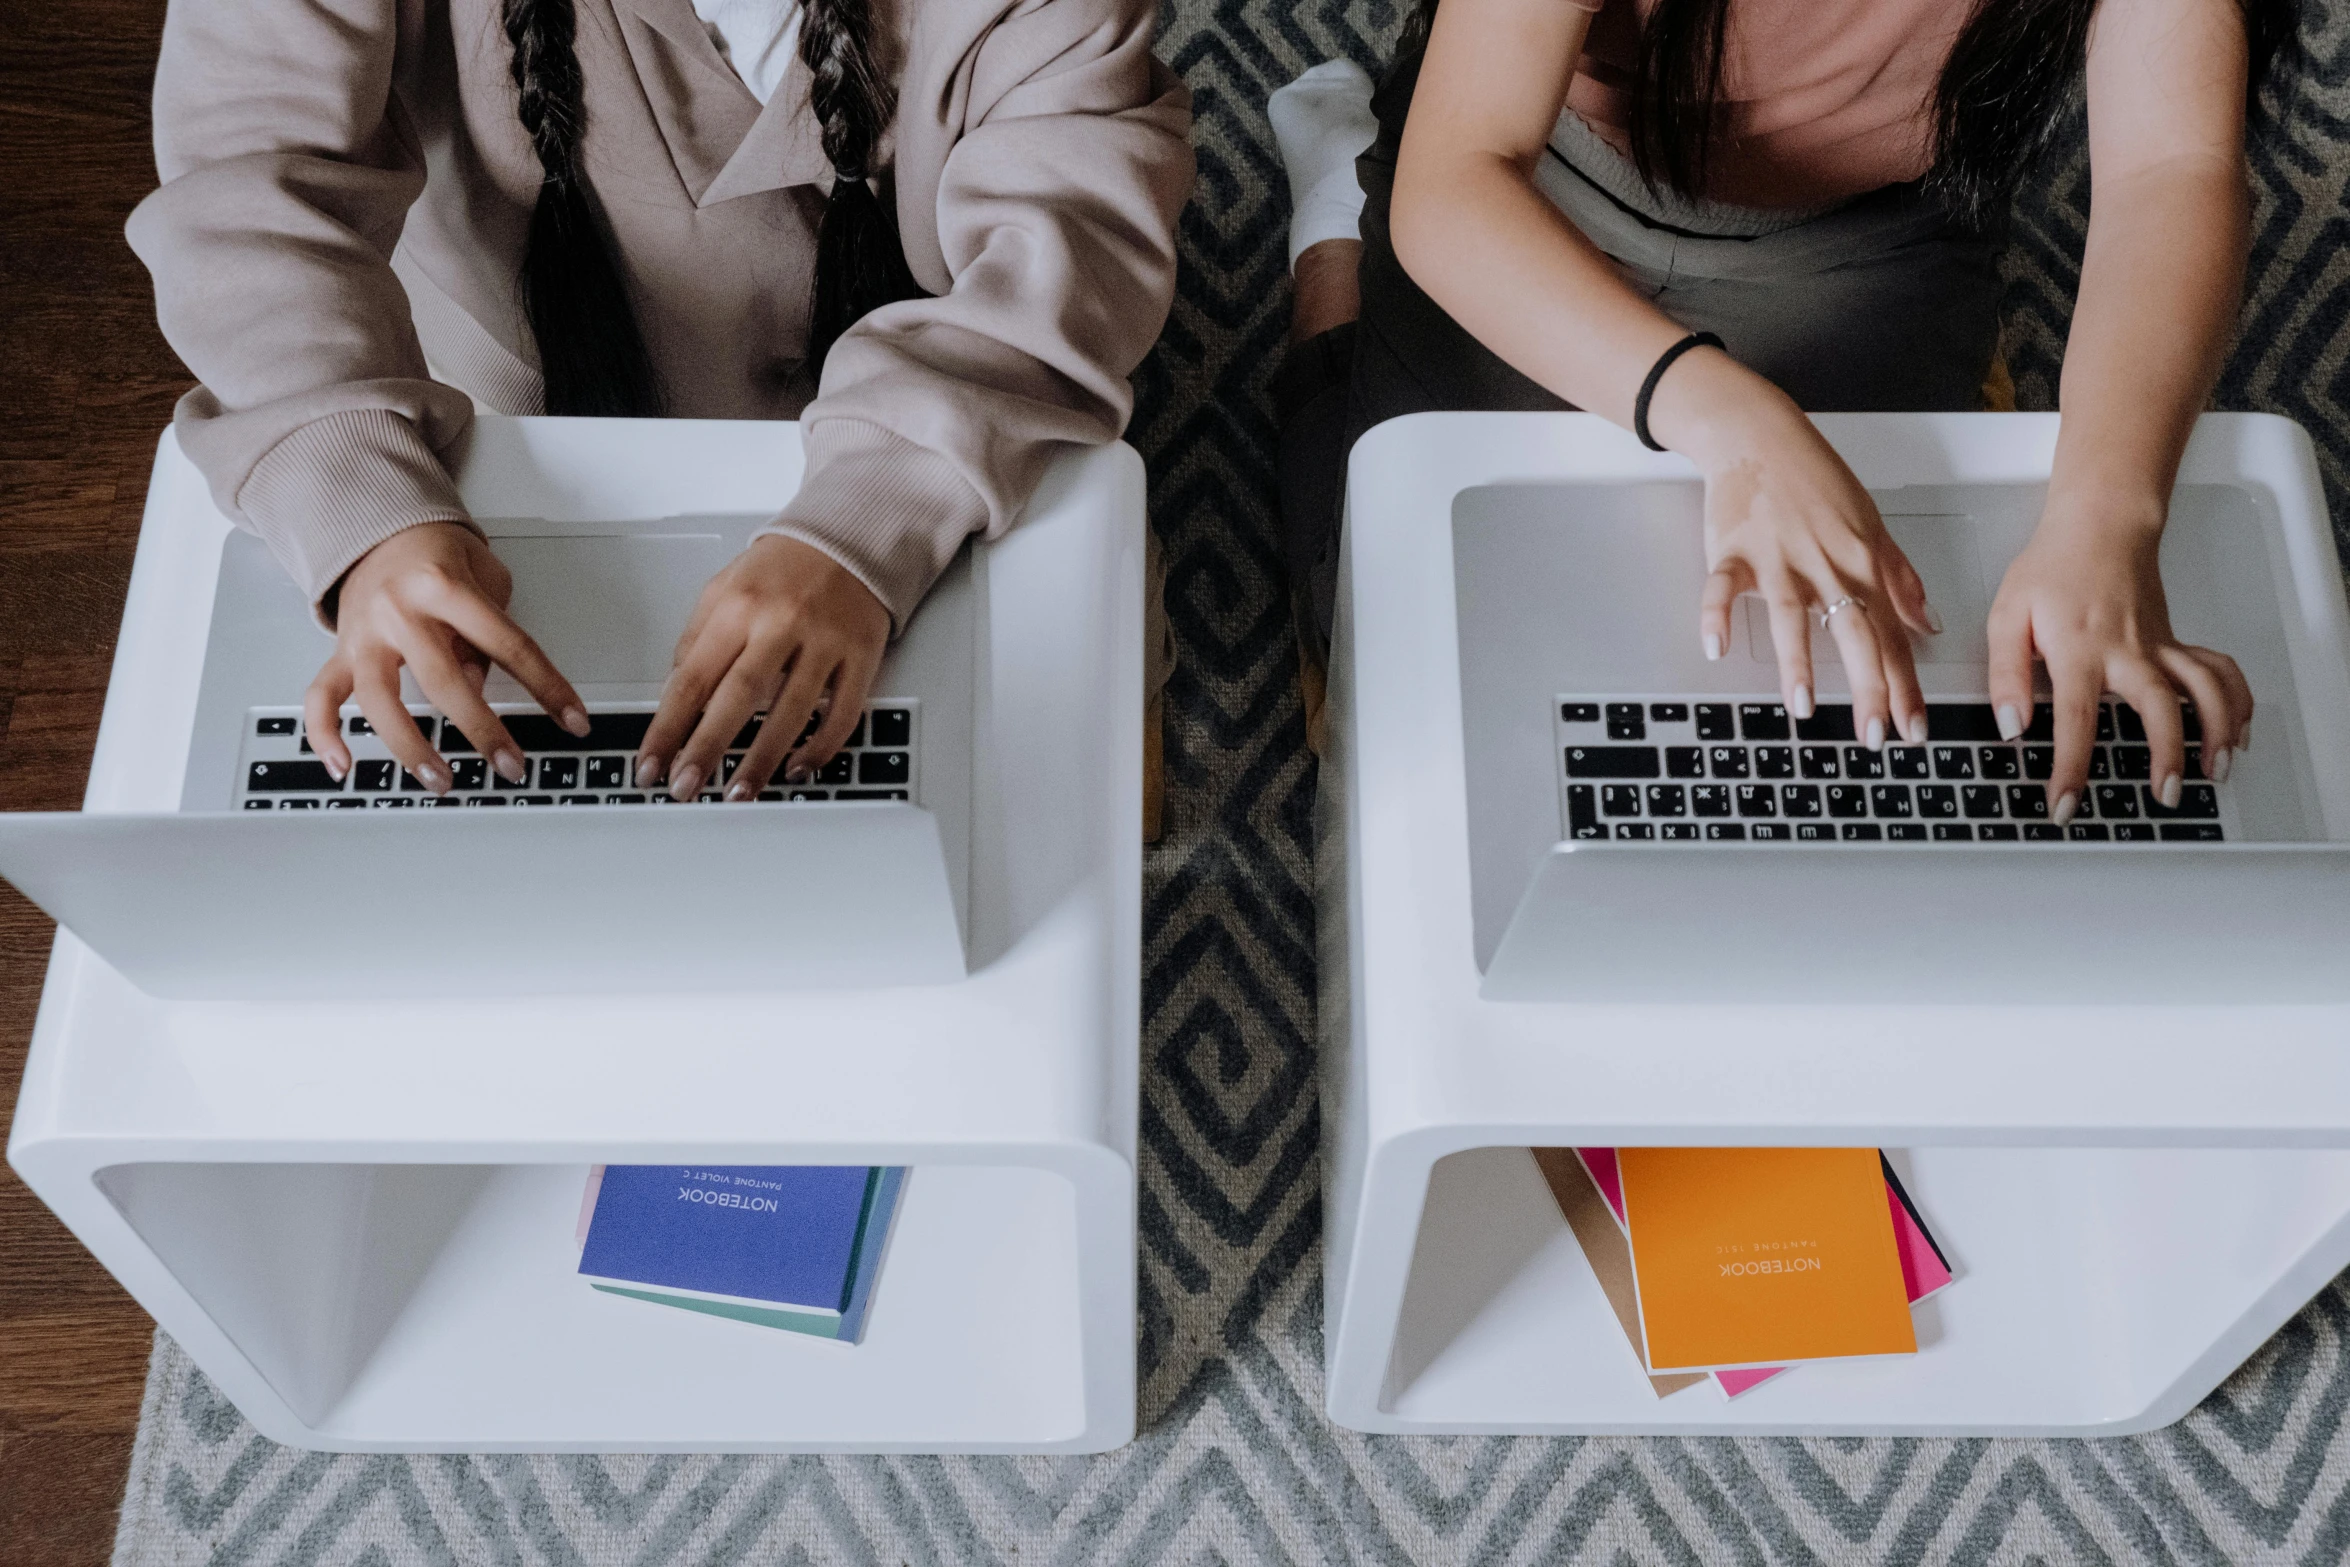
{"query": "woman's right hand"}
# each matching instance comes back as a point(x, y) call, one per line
point(1786, 519)
point(433, 598)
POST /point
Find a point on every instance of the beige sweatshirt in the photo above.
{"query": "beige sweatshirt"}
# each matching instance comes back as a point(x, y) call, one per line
point(346, 190)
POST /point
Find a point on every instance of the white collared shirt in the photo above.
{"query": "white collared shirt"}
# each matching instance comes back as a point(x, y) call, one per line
point(757, 37)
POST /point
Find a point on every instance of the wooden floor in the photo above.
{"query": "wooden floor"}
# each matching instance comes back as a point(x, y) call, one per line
point(85, 386)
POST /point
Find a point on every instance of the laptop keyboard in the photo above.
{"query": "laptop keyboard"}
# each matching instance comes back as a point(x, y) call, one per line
point(277, 769)
point(1665, 769)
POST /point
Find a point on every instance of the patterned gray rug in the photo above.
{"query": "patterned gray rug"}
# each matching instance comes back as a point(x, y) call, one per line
point(1235, 1463)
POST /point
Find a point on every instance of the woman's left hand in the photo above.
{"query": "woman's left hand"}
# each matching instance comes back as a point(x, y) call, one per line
point(781, 630)
point(2086, 597)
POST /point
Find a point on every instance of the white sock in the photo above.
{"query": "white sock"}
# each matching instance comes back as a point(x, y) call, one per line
point(1322, 122)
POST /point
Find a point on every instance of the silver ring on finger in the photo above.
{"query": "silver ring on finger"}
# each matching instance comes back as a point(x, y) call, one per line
point(1838, 608)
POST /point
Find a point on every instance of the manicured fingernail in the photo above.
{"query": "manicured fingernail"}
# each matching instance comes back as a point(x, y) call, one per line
point(687, 783)
point(2011, 723)
point(1933, 621)
point(740, 791)
point(795, 774)
point(434, 777)
point(1876, 734)
point(2171, 789)
point(1913, 728)
point(2066, 804)
point(1713, 647)
point(2244, 736)
point(1801, 706)
point(334, 769)
point(575, 719)
point(648, 770)
point(2222, 763)
point(509, 765)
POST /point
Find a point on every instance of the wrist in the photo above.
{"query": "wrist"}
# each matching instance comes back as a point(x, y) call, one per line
point(2105, 509)
point(1714, 411)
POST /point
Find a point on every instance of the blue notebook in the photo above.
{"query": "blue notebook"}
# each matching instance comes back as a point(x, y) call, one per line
point(785, 1246)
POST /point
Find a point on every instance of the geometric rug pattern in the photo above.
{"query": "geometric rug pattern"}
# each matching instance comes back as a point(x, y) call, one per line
point(1235, 1462)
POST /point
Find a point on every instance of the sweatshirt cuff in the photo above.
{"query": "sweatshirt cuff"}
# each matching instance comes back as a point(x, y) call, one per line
point(891, 512)
point(339, 486)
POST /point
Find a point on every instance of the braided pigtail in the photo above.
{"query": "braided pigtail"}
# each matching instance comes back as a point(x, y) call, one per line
point(591, 355)
point(859, 263)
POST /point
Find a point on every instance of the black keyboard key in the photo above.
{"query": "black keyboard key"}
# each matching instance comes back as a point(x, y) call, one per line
point(727, 765)
point(1774, 761)
point(1863, 832)
point(1639, 832)
point(1611, 761)
point(1757, 800)
point(2117, 802)
point(607, 772)
point(748, 735)
point(1998, 762)
point(2043, 832)
point(534, 799)
point(1832, 721)
point(485, 799)
point(2027, 802)
point(469, 772)
point(1668, 712)
point(2133, 728)
point(767, 796)
point(373, 776)
point(1800, 799)
point(1863, 763)
point(1715, 721)
point(2190, 722)
point(275, 726)
point(346, 802)
point(856, 735)
point(1889, 800)
point(2105, 721)
point(810, 794)
point(1667, 800)
point(1961, 721)
point(1907, 761)
point(2191, 832)
point(892, 726)
point(1679, 832)
point(2100, 762)
point(302, 803)
point(1979, 801)
point(1996, 832)
point(392, 802)
point(868, 794)
point(1815, 832)
point(624, 799)
point(538, 732)
point(1624, 721)
point(1582, 812)
point(1763, 721)
point(1953, 832)
point(503, 782)
point(1579, 712)
point(1725, 832)
point(2040, 762)
point(1848, 800)
point(2042, 728)
point(1954, 761)
point(2198, 802)
point(277, 777)
point(358, 725)
point(2133, 832)
point(884, 767)
point(1819, 761)
point(1938, 800)
point(583, 799)
point(559, 772)
point(1619, 799)
point(2089, 832)
point(1727, 761)
point(1770, 832)
point(260, 805)
point(2195, 761)
point(1905, 832)
point(611, 732)
point(839, 770)
point(2133, 762)
point(1709, 799)
point(1684, 761)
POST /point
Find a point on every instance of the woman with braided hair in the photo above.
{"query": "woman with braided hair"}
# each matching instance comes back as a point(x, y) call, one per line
point(940, 233)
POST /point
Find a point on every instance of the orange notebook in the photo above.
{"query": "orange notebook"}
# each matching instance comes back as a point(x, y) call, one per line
point(1763, 1256)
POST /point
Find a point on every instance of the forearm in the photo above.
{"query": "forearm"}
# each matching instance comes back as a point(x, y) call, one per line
point(2160, 285)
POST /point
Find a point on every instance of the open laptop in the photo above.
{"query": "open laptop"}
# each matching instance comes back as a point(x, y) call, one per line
point(276, 880)
point(1648, 826)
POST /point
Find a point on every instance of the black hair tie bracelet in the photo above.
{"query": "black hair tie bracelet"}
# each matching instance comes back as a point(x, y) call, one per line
point(1656, 373)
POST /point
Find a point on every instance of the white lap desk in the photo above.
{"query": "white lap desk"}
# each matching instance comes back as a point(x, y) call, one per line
point(2134, 1198)
point(359, 1220)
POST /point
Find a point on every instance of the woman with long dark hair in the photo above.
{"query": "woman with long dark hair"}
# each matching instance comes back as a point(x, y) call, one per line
point(1755, 209)
point(938, 232)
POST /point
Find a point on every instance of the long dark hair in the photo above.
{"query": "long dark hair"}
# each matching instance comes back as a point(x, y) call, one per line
point(1999, 104)
point(591, 354)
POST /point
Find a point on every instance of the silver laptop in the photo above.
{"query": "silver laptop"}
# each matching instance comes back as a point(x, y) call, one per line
point(277, 880)
point(1648, 826)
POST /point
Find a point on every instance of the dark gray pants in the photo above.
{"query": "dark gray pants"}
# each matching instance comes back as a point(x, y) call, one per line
point(1881, 303)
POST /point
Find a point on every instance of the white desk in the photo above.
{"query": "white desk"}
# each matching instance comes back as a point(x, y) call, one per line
point(2135, 1198)
point(359, 1221)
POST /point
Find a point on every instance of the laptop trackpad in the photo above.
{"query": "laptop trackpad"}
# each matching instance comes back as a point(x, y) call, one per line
point(609, 609)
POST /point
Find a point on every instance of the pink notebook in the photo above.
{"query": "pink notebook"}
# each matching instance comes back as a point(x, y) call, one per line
point(1923, 1267)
